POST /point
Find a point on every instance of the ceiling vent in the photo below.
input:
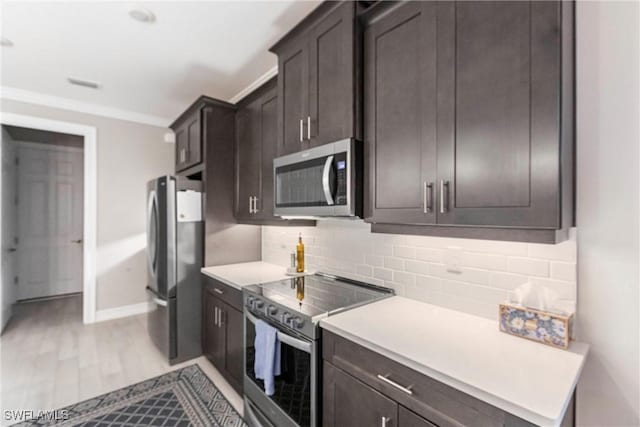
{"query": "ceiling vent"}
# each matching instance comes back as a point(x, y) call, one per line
point(84, 83)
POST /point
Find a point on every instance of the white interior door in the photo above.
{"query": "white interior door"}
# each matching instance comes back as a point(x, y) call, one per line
point(9, 228)
point(50, 193)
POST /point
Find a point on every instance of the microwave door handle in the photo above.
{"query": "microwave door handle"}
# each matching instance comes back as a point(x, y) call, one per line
point(325, 180)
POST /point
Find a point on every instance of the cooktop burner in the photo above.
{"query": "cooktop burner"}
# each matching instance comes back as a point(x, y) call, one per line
point(300, 302)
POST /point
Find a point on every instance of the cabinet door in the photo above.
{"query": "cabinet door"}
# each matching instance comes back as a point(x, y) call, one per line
point(498, 113)
point(269, 133)
point(331, 77)
point(195, 140)
point(400, 115)
point(215, 338)
point(349, 402)
point(293, 85)
point(406, 418)
point(189, 143)
point(248, 159)
point(182, 147)
point(232, 323)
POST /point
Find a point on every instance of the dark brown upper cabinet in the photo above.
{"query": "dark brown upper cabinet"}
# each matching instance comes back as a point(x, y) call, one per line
point(318, 90)
point(256, 145)
point(400, 115)
point(191, 135)
point(469, 123)
point(256, 134)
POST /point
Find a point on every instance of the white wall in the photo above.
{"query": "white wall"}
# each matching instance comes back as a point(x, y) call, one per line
point(129, 155)
point(9, 267)
point(607, 211)
point(417, 266)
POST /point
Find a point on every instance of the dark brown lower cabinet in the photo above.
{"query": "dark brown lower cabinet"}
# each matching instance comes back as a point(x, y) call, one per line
point(364, 388)
point(222, 330)
point(350, 402)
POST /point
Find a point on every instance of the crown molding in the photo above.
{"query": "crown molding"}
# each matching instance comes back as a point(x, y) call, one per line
point(255, 85)
point(30, 97)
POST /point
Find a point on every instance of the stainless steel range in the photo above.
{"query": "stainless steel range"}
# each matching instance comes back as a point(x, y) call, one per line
point(294, 307)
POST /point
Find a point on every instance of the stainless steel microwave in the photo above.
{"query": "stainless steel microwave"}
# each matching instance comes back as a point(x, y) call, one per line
point(324, 181)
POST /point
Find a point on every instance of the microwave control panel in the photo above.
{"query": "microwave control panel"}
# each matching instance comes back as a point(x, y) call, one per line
point(341, 178)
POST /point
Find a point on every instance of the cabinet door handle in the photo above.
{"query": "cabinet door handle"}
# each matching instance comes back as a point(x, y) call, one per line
point(386, 379)
point(428, 197)
point(301, 130)
point(443, 200)
point(221, 321)
point(309, 128)
point(255, 204)
point(385, 420)
point(250, 204)
point(215, 316)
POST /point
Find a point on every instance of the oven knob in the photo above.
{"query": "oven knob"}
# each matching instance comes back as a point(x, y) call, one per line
point(286, 317)
point(272, 310)
point(250, 301)
point(258, 304)
point(297, 322)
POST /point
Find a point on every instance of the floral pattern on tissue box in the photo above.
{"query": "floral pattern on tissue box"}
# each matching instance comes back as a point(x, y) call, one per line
point(548, 328)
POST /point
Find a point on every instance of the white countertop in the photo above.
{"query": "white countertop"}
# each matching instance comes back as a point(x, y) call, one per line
point(530, 380)
point(246, 273)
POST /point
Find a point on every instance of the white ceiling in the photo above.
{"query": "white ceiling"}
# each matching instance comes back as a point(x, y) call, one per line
point(157, 69)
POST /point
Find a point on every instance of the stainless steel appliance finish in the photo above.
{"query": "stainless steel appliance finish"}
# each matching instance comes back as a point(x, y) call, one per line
point(174, 258)
point(324, 181)
point(294, 307)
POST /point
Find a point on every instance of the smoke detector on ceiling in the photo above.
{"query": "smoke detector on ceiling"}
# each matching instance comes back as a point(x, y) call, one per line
point(143, 15)
point(5, 42)
point(84, 83)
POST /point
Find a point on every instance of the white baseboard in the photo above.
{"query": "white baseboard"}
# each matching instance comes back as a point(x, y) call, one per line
point(124, 311)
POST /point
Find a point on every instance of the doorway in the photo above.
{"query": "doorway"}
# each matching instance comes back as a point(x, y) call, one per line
point(49, 248)
point(43, 214)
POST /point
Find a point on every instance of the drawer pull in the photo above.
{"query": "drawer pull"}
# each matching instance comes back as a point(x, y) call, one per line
point(218, 291)
point(386, 379)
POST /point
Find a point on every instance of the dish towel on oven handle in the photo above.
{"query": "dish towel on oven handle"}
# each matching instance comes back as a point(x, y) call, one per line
point(267, 363)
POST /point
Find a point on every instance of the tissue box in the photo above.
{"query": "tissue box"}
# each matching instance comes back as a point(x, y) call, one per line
point(548, 328)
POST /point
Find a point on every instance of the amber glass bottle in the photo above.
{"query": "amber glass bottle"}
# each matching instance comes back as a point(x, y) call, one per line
point(300, 255)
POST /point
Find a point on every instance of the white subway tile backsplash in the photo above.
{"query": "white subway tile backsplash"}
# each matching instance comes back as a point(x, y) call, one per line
point(364, 270)
point(418, 266)
point(382, 273)
point(483, 260)
point(563, 271)
point(565, 251)
point(394, 263)
point(529, 266)
point(374, 260)
point(429, 254)
point(404, 251)
point(404, 278)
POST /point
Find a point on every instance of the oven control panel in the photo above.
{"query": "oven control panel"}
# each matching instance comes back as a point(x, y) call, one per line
point(279, 314)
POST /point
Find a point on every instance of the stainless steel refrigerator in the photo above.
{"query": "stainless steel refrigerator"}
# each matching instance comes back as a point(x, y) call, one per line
point(175, 237)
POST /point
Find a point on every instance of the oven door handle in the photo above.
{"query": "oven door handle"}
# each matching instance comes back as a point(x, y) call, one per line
point(325, 180)
point(284, 338)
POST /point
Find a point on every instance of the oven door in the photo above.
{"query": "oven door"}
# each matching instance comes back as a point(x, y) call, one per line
point(316, 182)
point(294, 402)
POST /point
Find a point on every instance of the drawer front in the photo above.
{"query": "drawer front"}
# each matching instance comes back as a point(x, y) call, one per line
point(440, 404)
point(226, 293)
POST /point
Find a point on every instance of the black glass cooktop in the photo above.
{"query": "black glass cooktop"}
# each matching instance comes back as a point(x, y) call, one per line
point(317, 295)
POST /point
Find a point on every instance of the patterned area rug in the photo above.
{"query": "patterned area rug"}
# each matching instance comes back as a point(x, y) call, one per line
point(185, 397)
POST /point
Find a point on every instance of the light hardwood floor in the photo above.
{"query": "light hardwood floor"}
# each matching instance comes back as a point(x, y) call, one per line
point(50, 359)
